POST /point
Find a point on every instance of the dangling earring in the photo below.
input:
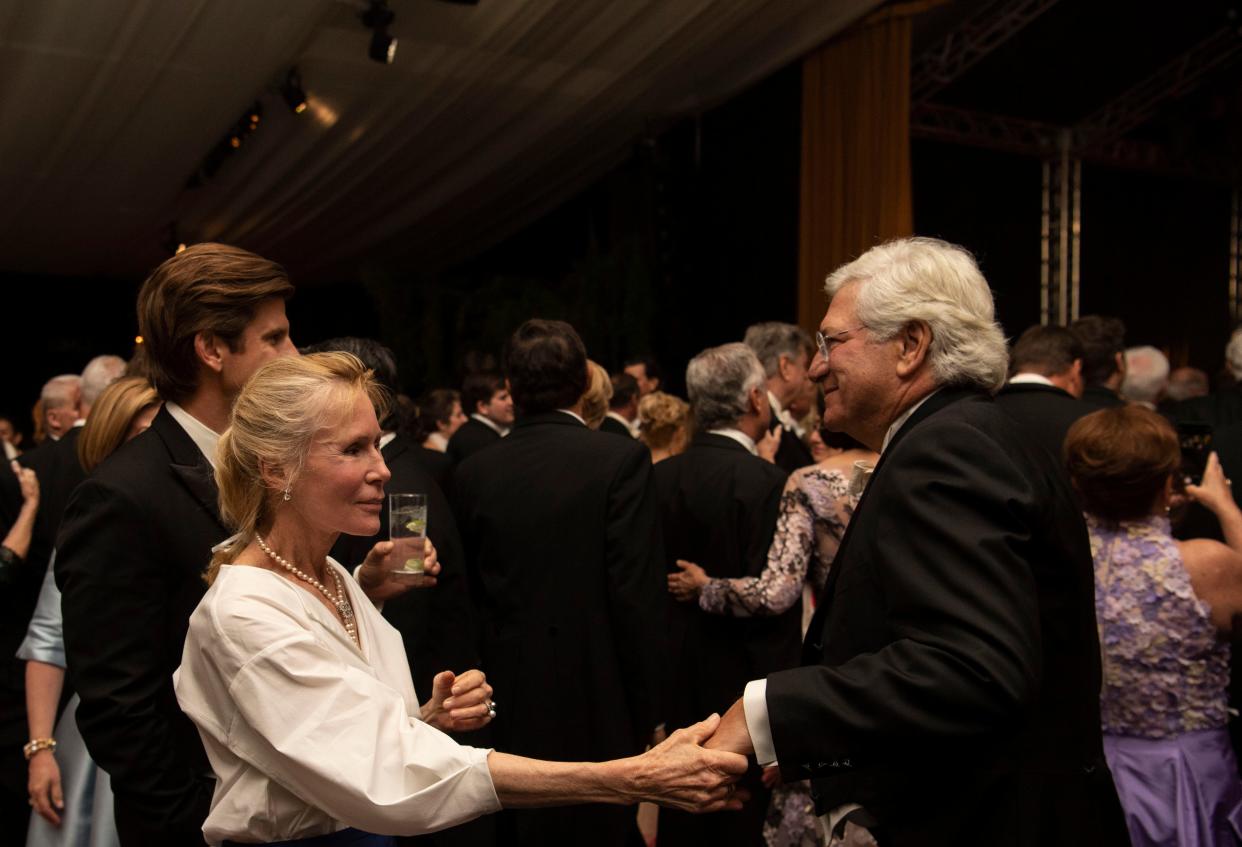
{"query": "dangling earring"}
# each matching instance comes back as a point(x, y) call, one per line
point(286, 494)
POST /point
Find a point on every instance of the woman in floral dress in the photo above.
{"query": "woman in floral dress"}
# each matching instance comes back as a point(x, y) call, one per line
point(816, 506)
point(1164, 608)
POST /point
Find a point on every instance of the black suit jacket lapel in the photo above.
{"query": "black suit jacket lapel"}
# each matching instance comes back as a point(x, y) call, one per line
point(188, 464)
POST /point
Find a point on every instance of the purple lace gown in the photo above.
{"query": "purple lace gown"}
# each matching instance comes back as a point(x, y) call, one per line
point(1163, 706)
point(815, 507)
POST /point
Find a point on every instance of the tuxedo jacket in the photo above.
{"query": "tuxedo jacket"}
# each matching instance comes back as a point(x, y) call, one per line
point(791, 454)
point(562, 541)
point(952, 669)
point(133, 545)
point(1097, 397)
point(718, 508)
point(1044, 412)
point(470, 438)
point(615, 427)
point(436, 624)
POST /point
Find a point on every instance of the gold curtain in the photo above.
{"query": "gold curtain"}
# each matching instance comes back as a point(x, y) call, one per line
point(855, 151)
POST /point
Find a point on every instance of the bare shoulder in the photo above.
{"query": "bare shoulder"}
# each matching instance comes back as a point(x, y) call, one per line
point(1210, 563)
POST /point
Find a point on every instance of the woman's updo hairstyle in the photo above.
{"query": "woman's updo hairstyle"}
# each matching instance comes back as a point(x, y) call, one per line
point(280, 410)
point(1120, 459)
point(660, 417)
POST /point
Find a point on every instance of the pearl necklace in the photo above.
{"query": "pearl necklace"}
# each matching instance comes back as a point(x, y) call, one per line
point(340, 601)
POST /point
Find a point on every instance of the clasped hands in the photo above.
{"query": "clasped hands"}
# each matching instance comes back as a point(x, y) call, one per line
point(695, 769)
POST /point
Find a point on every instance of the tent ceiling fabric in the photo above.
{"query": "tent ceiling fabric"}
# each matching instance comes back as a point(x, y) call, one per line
point(490, 115)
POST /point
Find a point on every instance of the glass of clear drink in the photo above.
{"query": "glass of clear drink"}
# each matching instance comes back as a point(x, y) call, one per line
point(407, 529)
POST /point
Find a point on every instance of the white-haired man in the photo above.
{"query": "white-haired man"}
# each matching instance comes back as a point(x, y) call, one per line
point(718, 503)
point(785, 351)
point(62, 399)
point(1147, 376)
point(950, 688)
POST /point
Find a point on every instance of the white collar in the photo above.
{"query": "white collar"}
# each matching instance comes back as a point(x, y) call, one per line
point(632, 426)
point(490, 424)
point(738, 436)
point(573, 414)
point(386, 439)
point(1030, 379)
point(901, 419)
point(776, 404)
point(203, 436)
point(438, 442)
point(80, 422)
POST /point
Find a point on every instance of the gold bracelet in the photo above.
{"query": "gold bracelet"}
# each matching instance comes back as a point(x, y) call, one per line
point(34, 745)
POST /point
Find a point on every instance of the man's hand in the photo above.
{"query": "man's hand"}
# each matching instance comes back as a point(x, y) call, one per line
point(732, 733)
point(380, 582)
point(681, 774)
point(767, 446)
point(685, 586)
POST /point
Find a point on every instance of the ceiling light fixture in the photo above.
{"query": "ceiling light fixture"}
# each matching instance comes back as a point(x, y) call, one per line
point(378, 17)
point(291, 89)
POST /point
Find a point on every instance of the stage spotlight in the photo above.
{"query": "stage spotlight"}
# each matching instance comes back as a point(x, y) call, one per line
point(378, 17)
point(383, 47)
point(293, 93)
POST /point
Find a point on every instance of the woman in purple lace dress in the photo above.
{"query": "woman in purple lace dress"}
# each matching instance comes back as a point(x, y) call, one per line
point(815, 507)
point(1164, 608)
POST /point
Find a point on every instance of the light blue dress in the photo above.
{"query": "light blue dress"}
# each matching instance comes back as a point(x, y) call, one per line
point(87, 819)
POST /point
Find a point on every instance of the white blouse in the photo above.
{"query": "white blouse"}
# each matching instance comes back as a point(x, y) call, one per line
point(307, 733)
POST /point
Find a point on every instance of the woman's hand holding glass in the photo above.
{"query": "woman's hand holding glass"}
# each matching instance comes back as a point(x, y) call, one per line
point(381, 580)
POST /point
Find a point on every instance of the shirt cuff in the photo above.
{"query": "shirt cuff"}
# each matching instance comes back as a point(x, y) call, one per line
point(755, 709)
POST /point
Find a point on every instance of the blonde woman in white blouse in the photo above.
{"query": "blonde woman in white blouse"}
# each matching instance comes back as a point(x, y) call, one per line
point(301, 691)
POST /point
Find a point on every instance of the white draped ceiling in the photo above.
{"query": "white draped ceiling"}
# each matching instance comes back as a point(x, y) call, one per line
point(490, 115)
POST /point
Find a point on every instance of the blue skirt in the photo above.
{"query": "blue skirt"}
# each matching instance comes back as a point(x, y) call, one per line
point(345, 838)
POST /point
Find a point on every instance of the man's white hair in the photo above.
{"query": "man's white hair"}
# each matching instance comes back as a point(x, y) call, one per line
point(99, 373)
point(59, 391)
point(1147, 375)
point(929, 280)
point(1233, 354)
point(719, 381)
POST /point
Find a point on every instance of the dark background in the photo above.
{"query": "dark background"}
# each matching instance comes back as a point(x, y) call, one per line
point(695, 235)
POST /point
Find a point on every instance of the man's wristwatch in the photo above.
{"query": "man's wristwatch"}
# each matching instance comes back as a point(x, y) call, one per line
point(34, 745)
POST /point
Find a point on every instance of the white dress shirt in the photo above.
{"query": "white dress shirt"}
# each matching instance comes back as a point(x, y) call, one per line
point(436, 441)
point(502, 431)
point(1030, 379)
point(203, 436)
point(738, 436)
point(785, 416)
point(308, 733)
point(632, 426)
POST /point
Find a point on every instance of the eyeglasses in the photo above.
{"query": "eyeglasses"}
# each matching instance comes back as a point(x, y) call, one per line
point(828, 343)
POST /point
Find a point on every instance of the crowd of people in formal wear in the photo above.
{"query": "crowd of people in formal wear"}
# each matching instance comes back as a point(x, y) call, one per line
point(896, 581)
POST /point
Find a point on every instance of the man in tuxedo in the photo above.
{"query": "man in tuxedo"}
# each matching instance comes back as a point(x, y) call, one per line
point(485, 396)
point(1103, 341)
point(784, 350)
point(563, 546)
point(950, 688)
point(718, 507)
point(622, 417)
point(1042, 393)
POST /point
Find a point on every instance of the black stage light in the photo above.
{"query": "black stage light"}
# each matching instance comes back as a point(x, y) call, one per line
point(293, 93)
point(383, 47)
point(379, 17)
